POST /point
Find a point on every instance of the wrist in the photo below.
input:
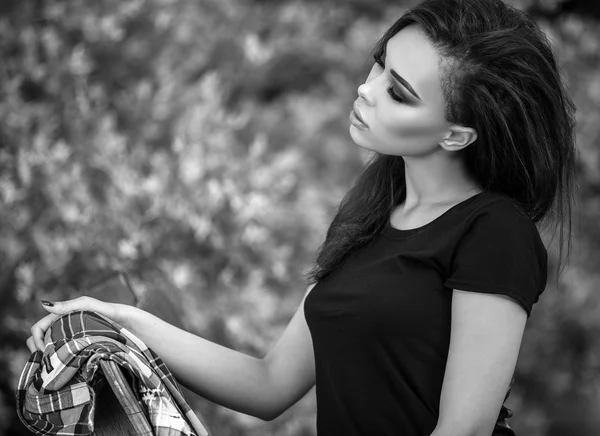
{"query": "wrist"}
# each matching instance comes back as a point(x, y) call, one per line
point(126, 316)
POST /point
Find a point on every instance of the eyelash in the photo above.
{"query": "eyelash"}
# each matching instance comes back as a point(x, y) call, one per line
point(390, 90)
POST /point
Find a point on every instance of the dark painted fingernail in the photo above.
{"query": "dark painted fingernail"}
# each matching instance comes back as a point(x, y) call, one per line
point(47, 303)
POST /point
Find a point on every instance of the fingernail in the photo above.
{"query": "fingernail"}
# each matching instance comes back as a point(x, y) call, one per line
point(47, 303)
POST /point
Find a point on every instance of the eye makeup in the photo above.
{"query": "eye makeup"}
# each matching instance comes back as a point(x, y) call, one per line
point(379, 59)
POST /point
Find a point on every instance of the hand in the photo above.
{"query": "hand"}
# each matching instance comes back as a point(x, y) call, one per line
point(113, 311)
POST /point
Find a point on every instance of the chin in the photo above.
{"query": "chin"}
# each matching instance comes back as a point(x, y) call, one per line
point(364, 143)
point(359, 139)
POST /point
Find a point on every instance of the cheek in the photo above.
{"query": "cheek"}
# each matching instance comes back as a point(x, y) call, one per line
point(410, 122)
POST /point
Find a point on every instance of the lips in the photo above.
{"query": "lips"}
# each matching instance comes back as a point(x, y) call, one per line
point(358, 114)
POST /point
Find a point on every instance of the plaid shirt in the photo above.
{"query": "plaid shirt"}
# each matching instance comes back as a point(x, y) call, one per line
point(56, 394)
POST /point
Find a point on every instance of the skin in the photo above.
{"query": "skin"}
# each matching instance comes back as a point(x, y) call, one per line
point(486, 329)
point(416, 129)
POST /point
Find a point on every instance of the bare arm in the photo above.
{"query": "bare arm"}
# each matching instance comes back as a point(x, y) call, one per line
point(291, 362)
point(264, 388)
point(485, 338)
point(261, 387)
point(222, 375)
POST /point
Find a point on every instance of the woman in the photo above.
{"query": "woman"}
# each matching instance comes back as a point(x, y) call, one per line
point(421, 291)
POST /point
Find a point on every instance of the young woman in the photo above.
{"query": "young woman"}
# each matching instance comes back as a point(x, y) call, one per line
point(421, 291)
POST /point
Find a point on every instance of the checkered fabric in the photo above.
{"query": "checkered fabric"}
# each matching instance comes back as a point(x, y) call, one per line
point(56, 391)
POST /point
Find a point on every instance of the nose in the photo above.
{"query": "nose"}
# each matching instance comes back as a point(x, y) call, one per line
point(366, 93)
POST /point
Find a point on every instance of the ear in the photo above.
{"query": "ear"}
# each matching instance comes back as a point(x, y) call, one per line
point(458, 137)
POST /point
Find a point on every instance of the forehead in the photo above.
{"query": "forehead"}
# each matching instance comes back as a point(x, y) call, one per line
point(410, 53)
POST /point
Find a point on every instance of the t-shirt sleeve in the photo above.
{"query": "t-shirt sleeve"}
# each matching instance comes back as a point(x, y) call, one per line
point(501, 252)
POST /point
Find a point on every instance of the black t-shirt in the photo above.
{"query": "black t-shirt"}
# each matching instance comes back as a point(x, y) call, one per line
point(380, 323)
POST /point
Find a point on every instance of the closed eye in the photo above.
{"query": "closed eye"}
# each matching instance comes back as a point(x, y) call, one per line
point(395, 96)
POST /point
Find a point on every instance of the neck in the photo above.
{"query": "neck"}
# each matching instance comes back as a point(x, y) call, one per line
point(437, 179)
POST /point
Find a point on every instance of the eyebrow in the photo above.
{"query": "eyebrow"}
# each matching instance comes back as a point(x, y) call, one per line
point(399, 78)
point(404, 83)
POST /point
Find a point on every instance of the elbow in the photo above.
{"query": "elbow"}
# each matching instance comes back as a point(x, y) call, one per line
point(272, 415)
point(263, 415)
point(455, 433)
point(268, 418)
point(266, 411)
point(473, 431)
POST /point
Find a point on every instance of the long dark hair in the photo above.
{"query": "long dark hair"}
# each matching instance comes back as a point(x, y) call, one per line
point(499, 76)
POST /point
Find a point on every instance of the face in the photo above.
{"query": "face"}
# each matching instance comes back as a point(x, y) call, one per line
point(398, 122)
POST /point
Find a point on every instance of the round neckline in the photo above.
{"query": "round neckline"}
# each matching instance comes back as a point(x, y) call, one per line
point(396, 233)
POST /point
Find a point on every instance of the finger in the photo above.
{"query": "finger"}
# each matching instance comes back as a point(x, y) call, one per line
point(59, 308)
point(39, 329)
point(30, 344)
point(80, 303)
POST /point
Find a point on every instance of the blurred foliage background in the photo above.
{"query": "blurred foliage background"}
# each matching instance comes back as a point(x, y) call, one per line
point(203, 147)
